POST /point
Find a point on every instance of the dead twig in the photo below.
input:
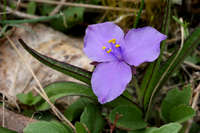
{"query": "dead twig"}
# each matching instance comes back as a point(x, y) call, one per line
point(8, 12)
point(112, 127)
point(14, 121)
point(3, 118)
point(190, 64)
point(187, 63)
point(122, 17)
point(41, 90)
point(173, 40)
point(57, 9)
point(86, 5)
point(18, 13)
point(176, 85)
point(196, 96)
point(17, 5)
point(194, 105)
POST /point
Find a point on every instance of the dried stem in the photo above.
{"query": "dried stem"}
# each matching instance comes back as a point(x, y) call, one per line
point(17, 5)
point(10, 11)
point(190, 64)
point(194, 105)
point(18, 13)
point(112, 127)
point(196, 96)
point(87, 5)
point(187, 63)
point(41, 90)
point(57, 9)
point(3, 121)
point(122, 17)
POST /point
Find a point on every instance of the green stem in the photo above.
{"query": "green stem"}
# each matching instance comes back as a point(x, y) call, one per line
point(4, 9)
point(45, 18)
point(139, 14)
point(3, 30)
point(156, 69)
point(135, 84)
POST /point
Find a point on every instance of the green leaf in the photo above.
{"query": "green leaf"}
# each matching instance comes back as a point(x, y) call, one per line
point(47, 127)
point(184, 25)
point(80, 128)
point(168, 128)
point(145, 81)
point(152, 72)
point(46, 9)
point(74, 15)
point(173, 62)
point(120, 131)
point(130, 117)
point(92, 118)
point(74, 110)
point(44, 116)
point(73, 71)
point(3, 30)
point(62, 127)
point(31, 8)
point(5, 130)
point(174, 98)
point(71, 17)
point(124, 99)
point(181, 113)
point(57, 90)
point(60, 89)
point(28, 98)
point(193, 59)
point(147, 130)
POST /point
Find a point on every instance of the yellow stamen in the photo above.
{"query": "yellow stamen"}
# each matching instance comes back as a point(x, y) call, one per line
point(112, 41)
point(109, 50)
point(103, 47)
point(117, 45)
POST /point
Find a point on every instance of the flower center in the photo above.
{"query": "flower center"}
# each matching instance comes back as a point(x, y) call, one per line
point(113, 48)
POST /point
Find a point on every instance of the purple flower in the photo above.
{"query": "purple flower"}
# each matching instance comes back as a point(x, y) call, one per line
point(106, 43)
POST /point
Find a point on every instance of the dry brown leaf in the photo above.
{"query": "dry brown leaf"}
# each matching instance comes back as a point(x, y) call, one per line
point(14, 76)
point(14, 121)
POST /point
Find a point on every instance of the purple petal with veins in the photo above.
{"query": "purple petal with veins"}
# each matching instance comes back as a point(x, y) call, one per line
point(142, 45)
point(97, 36)
point(117, 54)
point(110, 79)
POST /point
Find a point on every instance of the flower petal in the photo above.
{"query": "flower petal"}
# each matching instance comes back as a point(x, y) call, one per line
point(110, 79)
point(97, 36)
point(142, 45)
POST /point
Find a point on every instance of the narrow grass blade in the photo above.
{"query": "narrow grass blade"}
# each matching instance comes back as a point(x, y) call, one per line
point(139, 14)
point(152, 72)
point(73, 71)
point(44, 18)
point(173, 62)
point(178, 57)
